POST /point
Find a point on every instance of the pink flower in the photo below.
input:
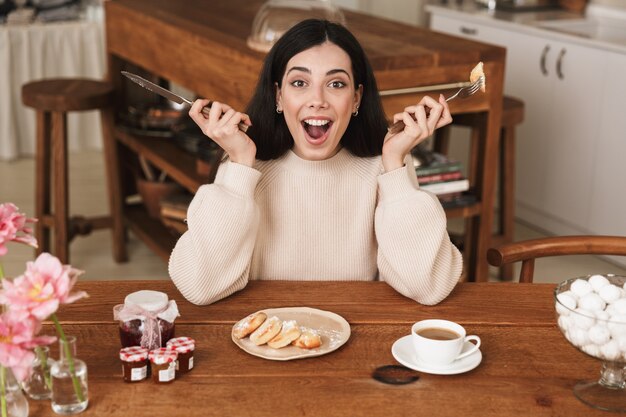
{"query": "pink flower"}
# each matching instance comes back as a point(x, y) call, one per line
point(42, 288)
point(13, 227)
point(17, 339)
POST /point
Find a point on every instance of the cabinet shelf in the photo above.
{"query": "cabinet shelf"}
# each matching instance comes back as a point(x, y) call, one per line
point(165, 155)
point(180, 166)
point(466, 211)
point(151, 231)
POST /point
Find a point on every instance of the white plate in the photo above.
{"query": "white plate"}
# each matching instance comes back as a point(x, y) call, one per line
point(333, 329)
point(402, 350)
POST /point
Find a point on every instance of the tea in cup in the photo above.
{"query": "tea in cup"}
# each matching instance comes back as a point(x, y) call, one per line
point(440, 342)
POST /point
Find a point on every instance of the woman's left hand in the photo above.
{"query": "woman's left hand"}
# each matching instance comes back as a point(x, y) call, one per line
point(420, 121)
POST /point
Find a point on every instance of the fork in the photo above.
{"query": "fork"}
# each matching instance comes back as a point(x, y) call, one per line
point(462, 92)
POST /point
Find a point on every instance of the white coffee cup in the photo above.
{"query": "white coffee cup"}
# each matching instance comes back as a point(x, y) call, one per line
point(440, 342)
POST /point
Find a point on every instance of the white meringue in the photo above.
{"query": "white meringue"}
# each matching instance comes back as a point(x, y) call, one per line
point(597, 282)
point(565, 300)
point(617, 326)
point(584, 319)
point(599, 334)
point(592, 350)
point(581, 287)
point(591, 302)
point(610, 350)
point(579, 337)
point(619, 306)
point(610, 293)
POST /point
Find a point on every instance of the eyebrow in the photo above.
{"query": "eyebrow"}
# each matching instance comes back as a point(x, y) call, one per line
point(308, 71)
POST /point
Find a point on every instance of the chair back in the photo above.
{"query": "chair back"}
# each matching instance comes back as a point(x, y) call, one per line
point(529, 250)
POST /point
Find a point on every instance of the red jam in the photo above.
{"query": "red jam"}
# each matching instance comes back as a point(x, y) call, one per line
point(131, 332)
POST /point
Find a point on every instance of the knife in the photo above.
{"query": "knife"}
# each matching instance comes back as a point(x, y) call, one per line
point(171, 96)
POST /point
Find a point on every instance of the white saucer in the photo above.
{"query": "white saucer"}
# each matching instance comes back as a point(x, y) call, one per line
point(402, 350)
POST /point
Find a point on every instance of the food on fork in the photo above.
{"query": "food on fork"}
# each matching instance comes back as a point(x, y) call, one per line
point(476, 73)
point(289, 332)
point(266, 332)
point(249, 324)
point(309, 339)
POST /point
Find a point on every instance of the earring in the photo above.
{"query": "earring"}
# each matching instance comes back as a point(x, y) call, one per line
point(278, 110)
point(356, 112)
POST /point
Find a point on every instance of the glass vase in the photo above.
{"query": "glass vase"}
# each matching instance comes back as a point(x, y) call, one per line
point(39, 385)
point(69, 380)
point(13, 402)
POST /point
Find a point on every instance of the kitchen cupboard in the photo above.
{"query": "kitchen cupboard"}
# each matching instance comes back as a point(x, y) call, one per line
point(561, 84)
point(562, 140)
point(608, 199)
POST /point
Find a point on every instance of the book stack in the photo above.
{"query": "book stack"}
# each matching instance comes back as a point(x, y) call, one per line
point(444, 177)
point(174, 212)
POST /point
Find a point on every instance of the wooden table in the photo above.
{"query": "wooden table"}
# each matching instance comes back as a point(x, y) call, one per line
point(528, 367)
point(201, 45)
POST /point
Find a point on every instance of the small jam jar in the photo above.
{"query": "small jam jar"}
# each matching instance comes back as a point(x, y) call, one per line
point(142, 309)
point(134, 363)
point(185, 347)
point(163, 365)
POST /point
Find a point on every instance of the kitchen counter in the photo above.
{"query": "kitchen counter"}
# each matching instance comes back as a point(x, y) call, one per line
point(557, 24)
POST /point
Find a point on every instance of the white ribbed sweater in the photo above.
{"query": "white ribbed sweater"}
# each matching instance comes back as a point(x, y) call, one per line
point(293, 219)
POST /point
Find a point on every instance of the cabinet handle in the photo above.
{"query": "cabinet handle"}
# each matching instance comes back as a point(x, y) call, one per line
point(542, 64)
point(559, 64)
point(468, 31)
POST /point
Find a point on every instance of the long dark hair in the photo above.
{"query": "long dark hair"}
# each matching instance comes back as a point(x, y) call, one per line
point(365, 132)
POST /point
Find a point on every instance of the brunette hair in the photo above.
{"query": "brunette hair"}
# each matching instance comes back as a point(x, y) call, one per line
point(365, 132)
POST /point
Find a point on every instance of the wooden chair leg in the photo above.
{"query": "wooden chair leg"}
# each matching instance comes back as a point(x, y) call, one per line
point(43, 181)
point(472, 170)
point(114, 187)
point(61, 211)
point(506, 225)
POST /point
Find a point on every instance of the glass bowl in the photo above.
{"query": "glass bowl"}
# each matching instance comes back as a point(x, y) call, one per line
point(591, 313)
point(275, 17)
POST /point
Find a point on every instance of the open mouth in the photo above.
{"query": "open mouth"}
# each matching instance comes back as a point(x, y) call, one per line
point(316, 129)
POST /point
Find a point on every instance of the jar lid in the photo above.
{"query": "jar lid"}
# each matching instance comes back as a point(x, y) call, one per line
point(163, 355)
point(182, 344)
point(133, 354)
point(147, 300)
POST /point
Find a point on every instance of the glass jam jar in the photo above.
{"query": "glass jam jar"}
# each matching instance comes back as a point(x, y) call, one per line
point(146, 319)
point(185, 347)
point(134, 363)
point(163, 362)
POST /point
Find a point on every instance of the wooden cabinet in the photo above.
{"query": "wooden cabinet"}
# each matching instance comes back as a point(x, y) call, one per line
point(570, 129)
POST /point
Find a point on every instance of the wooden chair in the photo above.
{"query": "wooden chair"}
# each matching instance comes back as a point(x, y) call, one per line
point(52, 99)
point(529, 250)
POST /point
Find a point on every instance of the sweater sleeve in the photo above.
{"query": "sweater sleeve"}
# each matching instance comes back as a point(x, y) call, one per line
point(212, 259)
point(415, 255)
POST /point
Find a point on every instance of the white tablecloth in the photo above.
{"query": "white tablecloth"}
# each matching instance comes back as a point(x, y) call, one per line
point(36, 51)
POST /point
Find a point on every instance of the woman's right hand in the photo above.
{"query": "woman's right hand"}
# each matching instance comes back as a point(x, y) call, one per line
point(221, 125)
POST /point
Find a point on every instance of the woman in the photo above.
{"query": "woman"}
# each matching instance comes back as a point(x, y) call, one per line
point(317, 189)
